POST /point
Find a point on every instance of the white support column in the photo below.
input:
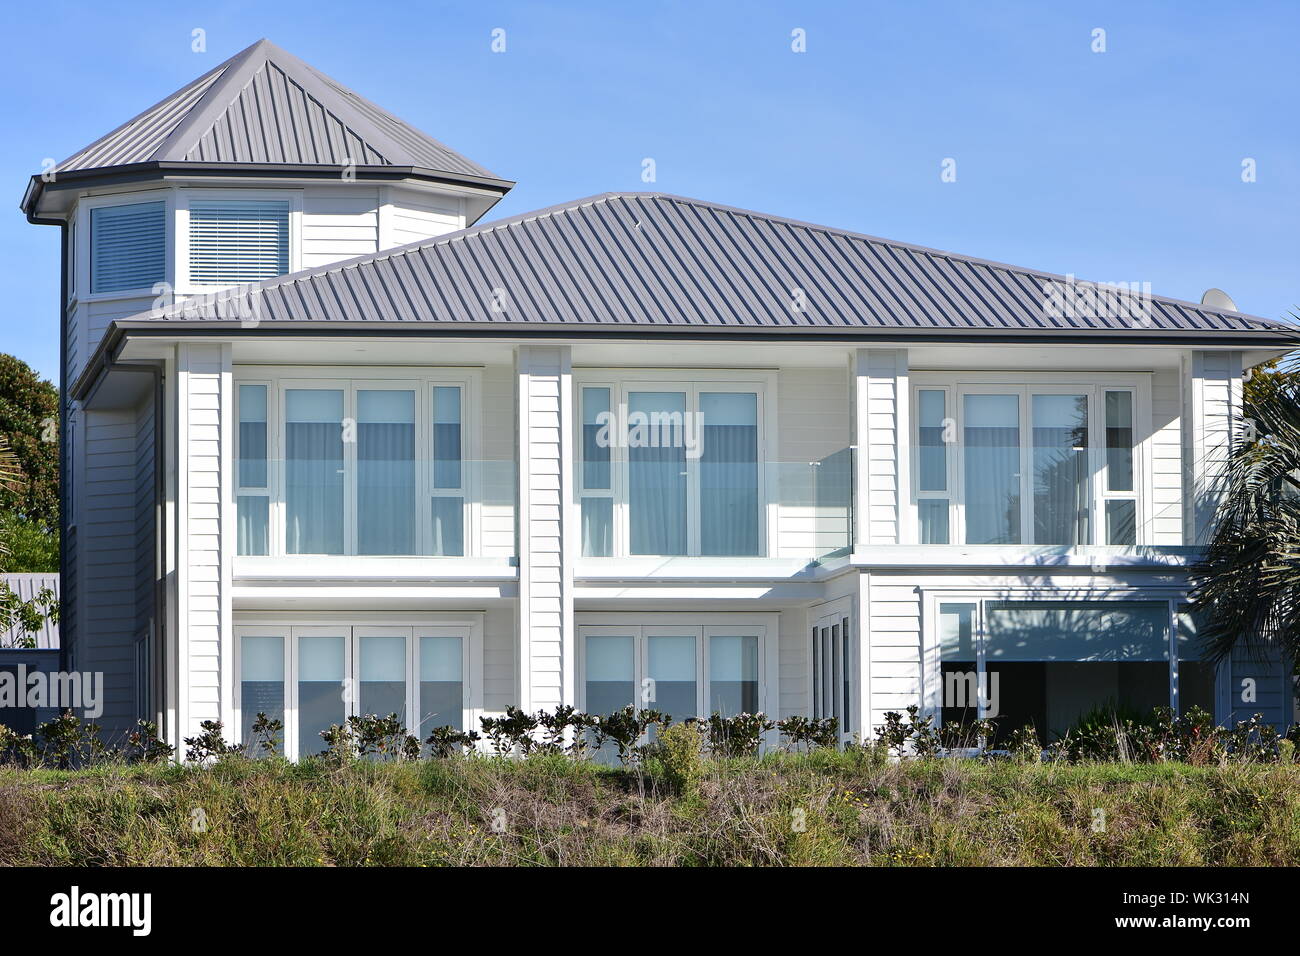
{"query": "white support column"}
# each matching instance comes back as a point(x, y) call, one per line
point(544, 389)
point(880, 430)
point(1212, 391)
point(204, 536)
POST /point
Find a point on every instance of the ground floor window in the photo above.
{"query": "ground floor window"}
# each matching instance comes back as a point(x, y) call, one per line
point(677, 666)
point(832, 670)
point(312, 676)
point(1054, 664)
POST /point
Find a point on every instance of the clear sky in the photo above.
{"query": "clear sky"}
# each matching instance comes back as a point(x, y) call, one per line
point(1123, 165)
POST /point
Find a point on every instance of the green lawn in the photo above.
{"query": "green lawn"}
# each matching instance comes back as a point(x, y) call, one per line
point(826, 808)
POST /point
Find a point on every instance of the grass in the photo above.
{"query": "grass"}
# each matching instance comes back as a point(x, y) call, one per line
point(826, 808)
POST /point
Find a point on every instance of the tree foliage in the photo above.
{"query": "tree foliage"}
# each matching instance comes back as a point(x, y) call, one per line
point(1246, 587)
point(29, 414)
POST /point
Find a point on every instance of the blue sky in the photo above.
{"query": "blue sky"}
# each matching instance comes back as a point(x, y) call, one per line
point(1116, 166)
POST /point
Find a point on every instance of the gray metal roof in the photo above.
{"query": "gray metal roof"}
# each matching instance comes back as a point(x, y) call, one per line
point(265, 105)
point(653, 260)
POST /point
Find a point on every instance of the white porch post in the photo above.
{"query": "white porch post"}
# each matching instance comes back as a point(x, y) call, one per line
point(544, 389)
point(205, 540)
point(881, 481)
point(1212, 394)
point(880, 430)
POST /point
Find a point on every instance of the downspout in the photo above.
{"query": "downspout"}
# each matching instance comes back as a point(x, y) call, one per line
point(63, 440)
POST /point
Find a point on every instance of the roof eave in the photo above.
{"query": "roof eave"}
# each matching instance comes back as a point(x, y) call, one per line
point(142, 172)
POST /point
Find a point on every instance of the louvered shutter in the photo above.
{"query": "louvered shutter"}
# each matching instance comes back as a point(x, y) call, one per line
point(233, 241)
point(128, 246)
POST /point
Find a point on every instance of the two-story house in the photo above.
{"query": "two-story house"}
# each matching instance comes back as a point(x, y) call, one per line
point(335, 445)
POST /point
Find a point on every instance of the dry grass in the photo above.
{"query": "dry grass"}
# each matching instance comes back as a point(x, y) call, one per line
point(823, 809)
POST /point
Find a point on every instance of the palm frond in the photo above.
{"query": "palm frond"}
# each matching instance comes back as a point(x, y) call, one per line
point(1246, 587)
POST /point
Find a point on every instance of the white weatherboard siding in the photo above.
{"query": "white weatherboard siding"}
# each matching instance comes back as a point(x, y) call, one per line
point(412, 215)
point(546, 629)
point(105, 621)
point(500, 660)
point(813, 413)
point(793, 662)
point(339, 222)
point(1250, 686)
point(880, 401)
point(205, 533)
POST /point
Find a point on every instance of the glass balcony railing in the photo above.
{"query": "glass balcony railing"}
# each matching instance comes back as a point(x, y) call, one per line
point(371, 501)
point(361, 504)
point(659, 502)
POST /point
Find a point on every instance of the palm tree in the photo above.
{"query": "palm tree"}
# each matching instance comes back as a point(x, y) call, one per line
point(1246, 587)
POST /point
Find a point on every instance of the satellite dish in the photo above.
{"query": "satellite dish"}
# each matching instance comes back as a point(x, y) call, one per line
point(1218, 299)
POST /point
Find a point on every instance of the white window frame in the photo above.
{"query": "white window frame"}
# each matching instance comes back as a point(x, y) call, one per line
point(182, 229)
point(1173, 598)
point(84, 239)
point(622, 382)
point(956, 385)
point(349, 380)
point(764, 626)
point(837, 613)
point(290, 626)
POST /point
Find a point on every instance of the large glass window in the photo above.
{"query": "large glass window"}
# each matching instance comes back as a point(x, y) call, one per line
point(1047, 464)
point(418, 673)
point(833, 670)
point(1053, 664)
point(670, 471)
point(358, 468)
point(685, 670)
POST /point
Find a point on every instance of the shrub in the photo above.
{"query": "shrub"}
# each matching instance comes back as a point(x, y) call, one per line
point(738, 736)
point(210, 744)
point(810, 733)
point(680, 749)
point(143, 745)
point(446, 742)
point(625, 728)
point(512, 731)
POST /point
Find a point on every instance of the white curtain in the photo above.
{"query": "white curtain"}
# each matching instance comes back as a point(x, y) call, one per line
point(991, 433)
point(385, 471)
point(729, 509)
point(313, 494)
point(1060, 450)
point(657, 475)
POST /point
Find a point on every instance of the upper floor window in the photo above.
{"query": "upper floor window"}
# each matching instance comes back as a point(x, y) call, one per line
point(128, 246)
point(1026, 464)
point(237, 240)
point(671, 468)
point(364, 467)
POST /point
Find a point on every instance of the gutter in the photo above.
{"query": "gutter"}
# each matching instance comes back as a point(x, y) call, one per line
point(152, 171)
